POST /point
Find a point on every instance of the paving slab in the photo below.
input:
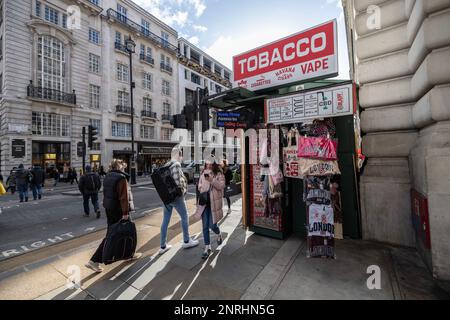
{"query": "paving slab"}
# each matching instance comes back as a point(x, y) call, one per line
point(343, 279)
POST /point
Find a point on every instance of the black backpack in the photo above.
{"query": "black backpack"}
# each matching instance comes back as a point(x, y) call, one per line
point(121, 241)
point(165, 184)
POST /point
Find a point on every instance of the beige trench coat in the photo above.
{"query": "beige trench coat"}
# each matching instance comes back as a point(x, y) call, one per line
point(216, 195)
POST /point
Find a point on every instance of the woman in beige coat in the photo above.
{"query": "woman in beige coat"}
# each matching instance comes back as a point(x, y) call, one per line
point(212, 180)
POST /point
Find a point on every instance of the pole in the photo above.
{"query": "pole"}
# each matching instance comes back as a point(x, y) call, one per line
point(84, 149)
point(132, 160)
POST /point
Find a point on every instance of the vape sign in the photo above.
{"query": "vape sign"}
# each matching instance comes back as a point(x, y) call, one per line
point(310, 54)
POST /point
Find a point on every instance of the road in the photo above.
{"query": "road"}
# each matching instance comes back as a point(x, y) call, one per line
point(25, 227)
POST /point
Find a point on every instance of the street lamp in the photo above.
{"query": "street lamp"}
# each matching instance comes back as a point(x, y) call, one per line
point(130, 46)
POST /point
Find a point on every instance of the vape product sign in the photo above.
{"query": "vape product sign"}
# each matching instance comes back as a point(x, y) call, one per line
point(310, 54)
point(326, 103)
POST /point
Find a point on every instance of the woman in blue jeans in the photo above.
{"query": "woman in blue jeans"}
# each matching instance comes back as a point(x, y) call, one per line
point(212, 180)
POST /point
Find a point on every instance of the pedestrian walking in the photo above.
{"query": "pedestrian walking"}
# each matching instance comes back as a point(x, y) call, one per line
point(37, 182)
point(228, 178)
point(56, 176)
point(210, 203)
point(23, 178)
point(11, 181)
point(89, 186)
point(102, 172)
point(73, 176)
point(179, 204)
point(118, 203)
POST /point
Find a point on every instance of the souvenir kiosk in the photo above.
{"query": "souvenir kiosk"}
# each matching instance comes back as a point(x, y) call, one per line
point(323, 110)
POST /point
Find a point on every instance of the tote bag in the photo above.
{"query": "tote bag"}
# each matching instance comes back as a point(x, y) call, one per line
point(291, 161)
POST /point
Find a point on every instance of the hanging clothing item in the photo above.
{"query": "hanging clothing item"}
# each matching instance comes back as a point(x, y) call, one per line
point(317, 148)
point(321, 221)
point(312, 167)
point(316, 190)
point(320, 247)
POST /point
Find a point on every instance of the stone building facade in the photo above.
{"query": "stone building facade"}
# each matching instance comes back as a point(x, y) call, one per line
point(64, 67)
point(400, 58)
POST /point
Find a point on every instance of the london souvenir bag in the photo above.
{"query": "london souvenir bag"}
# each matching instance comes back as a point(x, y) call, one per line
point(291, 161)
point(314, 167)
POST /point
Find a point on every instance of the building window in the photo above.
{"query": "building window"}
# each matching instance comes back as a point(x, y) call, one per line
point(166, 87)
point(122, 72)
point(195, 78)
point(96, 2)
point(122, 13)
point(145, 26)
point(218, 89)
point(38, 8)
point(120, 129)
point(64, 21)
point(97, 124)
point(211, 87)
point(1, 83)
point(96, 146)
point(142, 50)
point(1, 47)
point(94, 36)
point(186, 74)
point(147, 104)
point(147, 132)
point(50, 124)
point(147, 82)
point(149, 52)
point(94, 96)
point(94, 63)
point(118, 37)
point(165, 38)
point(51, 15)
point(166, 109)
point(51, 64)
point(122, 98)
point(166, 134)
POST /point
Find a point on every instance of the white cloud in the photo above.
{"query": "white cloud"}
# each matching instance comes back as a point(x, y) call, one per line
point(199, 6)
point(174, 12)
point(194, 40)
point(200, 28)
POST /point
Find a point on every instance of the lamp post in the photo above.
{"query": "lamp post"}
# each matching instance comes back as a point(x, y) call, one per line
point(131, 48)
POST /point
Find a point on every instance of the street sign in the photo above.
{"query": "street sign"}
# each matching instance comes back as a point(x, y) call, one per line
point(326, 103)
point(18, 148)
point(310, 54)
point(231, 120)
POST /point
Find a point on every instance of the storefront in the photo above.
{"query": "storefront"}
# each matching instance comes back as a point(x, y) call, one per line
point(50, 155)
point(293, 117)
point(153, 154)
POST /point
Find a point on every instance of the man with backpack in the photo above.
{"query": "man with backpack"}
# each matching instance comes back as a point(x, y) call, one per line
point(89, 186)
point(179, 203)
point(37, 182)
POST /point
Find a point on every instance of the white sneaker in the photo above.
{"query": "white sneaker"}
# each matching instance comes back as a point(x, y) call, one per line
point(94, 266)
point(162, 251)
point(192, 243)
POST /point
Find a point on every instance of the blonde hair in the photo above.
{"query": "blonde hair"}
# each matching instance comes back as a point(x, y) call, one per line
point(118, 164)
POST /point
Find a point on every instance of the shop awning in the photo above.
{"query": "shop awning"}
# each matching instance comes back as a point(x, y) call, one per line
point(235, 98)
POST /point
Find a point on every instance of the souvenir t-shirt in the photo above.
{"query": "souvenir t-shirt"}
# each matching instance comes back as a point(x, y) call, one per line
point(321, 221)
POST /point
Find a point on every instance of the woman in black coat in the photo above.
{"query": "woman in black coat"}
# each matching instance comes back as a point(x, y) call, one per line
point(228, 178)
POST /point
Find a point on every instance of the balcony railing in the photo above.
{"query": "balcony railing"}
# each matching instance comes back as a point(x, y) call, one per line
point(166, 117)
point(166, 67)
point(120, 47)
point(51, 94)
point(123, 109)
point(149, 114)
point(147, 59)
point(112, 14)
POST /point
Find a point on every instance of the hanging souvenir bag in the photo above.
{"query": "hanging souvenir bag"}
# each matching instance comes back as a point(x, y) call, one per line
point(291, 161)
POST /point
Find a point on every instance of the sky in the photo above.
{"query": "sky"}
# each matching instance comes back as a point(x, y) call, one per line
point(225, 28)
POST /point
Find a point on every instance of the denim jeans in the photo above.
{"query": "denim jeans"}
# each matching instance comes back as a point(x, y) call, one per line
point(207, 221)
point(180, 205)
point(94, 200)
point(23, 191)
point(37, 190)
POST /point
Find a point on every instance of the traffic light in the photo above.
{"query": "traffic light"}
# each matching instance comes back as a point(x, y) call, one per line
point(178, 121)
point(189, 114)
point(92, 136)
point(204, 109)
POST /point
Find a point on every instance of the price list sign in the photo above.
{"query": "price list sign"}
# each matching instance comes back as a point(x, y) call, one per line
point(326, 103)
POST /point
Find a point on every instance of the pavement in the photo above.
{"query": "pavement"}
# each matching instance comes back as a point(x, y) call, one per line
point(246, 266)
point(29, 226)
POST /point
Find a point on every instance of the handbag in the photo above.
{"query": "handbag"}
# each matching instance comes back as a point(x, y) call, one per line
point(204, 198)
